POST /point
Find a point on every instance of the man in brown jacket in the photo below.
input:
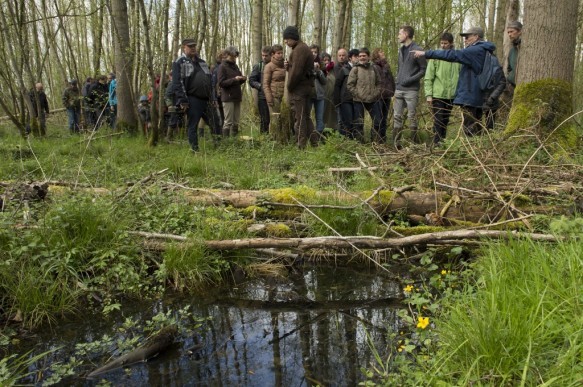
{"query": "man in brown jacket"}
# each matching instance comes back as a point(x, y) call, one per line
point(299, 86)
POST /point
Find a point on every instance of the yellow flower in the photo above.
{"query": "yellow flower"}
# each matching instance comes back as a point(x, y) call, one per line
point(401, 348)
point(408, 288)
point(443, 272)
point(423, 322)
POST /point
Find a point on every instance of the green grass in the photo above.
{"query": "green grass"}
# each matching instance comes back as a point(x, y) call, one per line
point(522, 324)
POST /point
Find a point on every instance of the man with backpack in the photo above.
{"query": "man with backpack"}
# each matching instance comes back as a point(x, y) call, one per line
point(473, 83)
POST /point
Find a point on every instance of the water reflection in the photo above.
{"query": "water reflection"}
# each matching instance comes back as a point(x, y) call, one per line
point(310, 328)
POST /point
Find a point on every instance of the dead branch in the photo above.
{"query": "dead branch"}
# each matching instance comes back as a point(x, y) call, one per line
point(359, 242)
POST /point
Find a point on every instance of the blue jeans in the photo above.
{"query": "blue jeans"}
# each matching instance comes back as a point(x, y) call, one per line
point(74, 116)
point(318, 105)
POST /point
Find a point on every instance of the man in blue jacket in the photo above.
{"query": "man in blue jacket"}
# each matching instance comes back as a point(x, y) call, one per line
point(468, 94)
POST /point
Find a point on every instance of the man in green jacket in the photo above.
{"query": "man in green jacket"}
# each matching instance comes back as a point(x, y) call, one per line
point(440, 85)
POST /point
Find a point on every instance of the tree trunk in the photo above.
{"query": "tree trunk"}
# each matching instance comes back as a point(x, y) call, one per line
point(543, 97)
point(317, 33)
point(257, 30)
point(126, 112)
point(369, 24)
point(546, 24)
point(339, 33)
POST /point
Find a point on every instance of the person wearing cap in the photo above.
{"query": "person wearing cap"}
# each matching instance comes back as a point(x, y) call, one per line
point(191, 84)
point(514, 31)
point(468, 93)
point(230, 80)
point(300, 84)
point(40, 109)
point(72, 102)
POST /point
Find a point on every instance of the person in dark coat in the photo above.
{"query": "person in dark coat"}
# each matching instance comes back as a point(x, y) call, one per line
point(300, 84)
point(468, 93)
point(342, 96)
point(255, 81)
point(407, 84)
point(72, 102)
point(492, 101)
point(98, 97)
point(387, 87)
point(192, 87)
point(230, 81)
point(40, 108)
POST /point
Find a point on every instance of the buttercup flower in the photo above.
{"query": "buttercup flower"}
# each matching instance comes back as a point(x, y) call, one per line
point(408, 289)
point(401, 348)
point(443, 272)
point(423, 322)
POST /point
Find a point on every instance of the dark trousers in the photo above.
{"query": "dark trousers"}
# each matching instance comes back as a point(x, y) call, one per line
point(490, 118)
point(375, 115)
point(303, 125)
point(472, 120)
point(347, 115)
point(441, 109)
point(263, 115)
point(197, 109)
point(384, 108)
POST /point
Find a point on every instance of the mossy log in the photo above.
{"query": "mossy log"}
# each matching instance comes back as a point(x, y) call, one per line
point(291, 202)
point(153, 346)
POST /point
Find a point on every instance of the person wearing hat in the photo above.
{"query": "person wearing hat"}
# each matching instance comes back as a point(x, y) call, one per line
point(191, 84)
point(230, 80)
point(72, 102)
point(514, 31)
point(300, 84)
point(468, 93)
point(144, 113)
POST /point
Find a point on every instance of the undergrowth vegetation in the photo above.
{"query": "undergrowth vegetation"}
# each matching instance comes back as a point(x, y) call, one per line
point(510, 318)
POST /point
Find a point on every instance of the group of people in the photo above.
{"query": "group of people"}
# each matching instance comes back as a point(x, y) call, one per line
point(97, 100)
point(339, 92)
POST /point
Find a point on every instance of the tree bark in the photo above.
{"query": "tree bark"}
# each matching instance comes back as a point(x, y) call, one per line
point(256, 30)
point(543, 97)
point(126, 112)
point(547, 23)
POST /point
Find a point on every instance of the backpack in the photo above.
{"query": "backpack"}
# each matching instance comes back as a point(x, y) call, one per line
point(491, 73)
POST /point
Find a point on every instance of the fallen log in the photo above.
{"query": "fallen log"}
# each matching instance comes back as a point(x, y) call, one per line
point(153, 346)
point(485, 209)
point(352, 242)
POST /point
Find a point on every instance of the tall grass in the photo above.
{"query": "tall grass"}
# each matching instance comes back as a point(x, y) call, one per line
point(522, 323)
